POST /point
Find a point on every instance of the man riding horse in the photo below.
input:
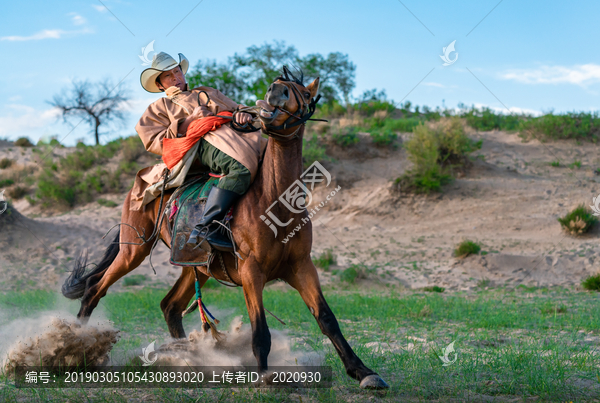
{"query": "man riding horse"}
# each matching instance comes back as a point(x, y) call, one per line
point(226, 151)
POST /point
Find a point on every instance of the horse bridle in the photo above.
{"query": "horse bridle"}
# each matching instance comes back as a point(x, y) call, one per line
point(308, 109)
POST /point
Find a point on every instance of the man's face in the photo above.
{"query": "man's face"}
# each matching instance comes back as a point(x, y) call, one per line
point(170, 78)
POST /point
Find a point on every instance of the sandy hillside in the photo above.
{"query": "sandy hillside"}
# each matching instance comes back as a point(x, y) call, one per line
point(509, 202)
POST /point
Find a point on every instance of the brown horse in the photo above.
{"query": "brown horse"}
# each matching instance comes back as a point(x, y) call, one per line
point(265, 258)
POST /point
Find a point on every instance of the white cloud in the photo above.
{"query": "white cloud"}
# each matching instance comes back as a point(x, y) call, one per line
point(432, 84)
point(45, 34)
point(21, 119)
point(512, 109)
point(582, 74)
point(99, 8)
point(77, 19)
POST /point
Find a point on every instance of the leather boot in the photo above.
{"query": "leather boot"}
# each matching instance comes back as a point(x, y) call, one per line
point(218, 203)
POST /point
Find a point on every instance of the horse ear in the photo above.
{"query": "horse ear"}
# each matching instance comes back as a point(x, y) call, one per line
point(313, 87)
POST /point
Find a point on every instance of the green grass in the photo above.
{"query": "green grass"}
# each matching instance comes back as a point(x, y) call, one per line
point(510, 344)
point(578, 221)
point(466, 248)
point(555, 164)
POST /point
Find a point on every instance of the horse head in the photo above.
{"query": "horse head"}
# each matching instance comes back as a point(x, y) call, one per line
point(288, 104)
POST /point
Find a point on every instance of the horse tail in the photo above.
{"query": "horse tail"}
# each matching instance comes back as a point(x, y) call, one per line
point(74, 286)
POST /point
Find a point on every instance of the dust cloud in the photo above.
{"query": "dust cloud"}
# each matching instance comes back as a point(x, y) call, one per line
point(234, 349)
point(58, 339)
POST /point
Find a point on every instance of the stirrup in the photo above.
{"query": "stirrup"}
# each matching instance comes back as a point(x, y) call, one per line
point(197, 233)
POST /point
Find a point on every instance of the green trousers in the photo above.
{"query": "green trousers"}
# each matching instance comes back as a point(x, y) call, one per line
point(237, 176)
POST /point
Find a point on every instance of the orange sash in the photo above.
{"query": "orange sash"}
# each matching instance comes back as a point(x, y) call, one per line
point(175, 149)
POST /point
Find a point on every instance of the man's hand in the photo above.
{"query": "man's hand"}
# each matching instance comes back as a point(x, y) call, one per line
point(243, 118)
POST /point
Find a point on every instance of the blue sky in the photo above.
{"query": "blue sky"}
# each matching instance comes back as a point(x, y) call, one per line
point(525, 56)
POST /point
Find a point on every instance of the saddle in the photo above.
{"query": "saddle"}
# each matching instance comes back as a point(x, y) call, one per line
point(184, 210)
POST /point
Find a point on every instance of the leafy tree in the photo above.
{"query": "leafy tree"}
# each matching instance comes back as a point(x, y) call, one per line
point(209, 73)
point(247, 76)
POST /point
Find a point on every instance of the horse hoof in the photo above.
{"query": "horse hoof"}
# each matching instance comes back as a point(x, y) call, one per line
point(373, 382)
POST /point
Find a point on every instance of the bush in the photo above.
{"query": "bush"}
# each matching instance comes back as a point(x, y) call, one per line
point(23, 142)
point(453, 143)
point(404, 125)
point(578, 221)
point(432, 149)
point(107, 203)
point(312, 151)
point(368, 108)
point(485, 119)
point(17, 192)
point(325, 259)
point(573, 125)
point(384, 137)
point(5, 163)
point(345, 137)
point(330, 110)
point(434, 288)
point(592, 283)
point(6, 182)
point(80, 176)
point(355, 272)
point(133, 148)
point(466, 248)
point(50, 188)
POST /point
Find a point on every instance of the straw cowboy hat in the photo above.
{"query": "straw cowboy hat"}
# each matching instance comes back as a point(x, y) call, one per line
point(161, 62)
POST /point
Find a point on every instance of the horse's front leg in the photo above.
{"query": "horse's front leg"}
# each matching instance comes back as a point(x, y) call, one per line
point(253, 281)
point(305, 279)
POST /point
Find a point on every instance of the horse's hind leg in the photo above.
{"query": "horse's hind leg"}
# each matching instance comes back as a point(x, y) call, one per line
point(175, 302)
point(128, 258)
point(306, 281)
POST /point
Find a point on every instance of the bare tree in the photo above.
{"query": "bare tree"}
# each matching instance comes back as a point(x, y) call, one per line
point(96, 103)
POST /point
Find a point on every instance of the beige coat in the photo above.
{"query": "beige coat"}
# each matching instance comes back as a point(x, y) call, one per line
point(162, 119)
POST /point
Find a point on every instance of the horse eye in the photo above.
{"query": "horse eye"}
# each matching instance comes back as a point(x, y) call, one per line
point(307, 94)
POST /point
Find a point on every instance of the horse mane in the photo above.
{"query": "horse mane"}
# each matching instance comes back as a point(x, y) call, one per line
point(289, 76)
